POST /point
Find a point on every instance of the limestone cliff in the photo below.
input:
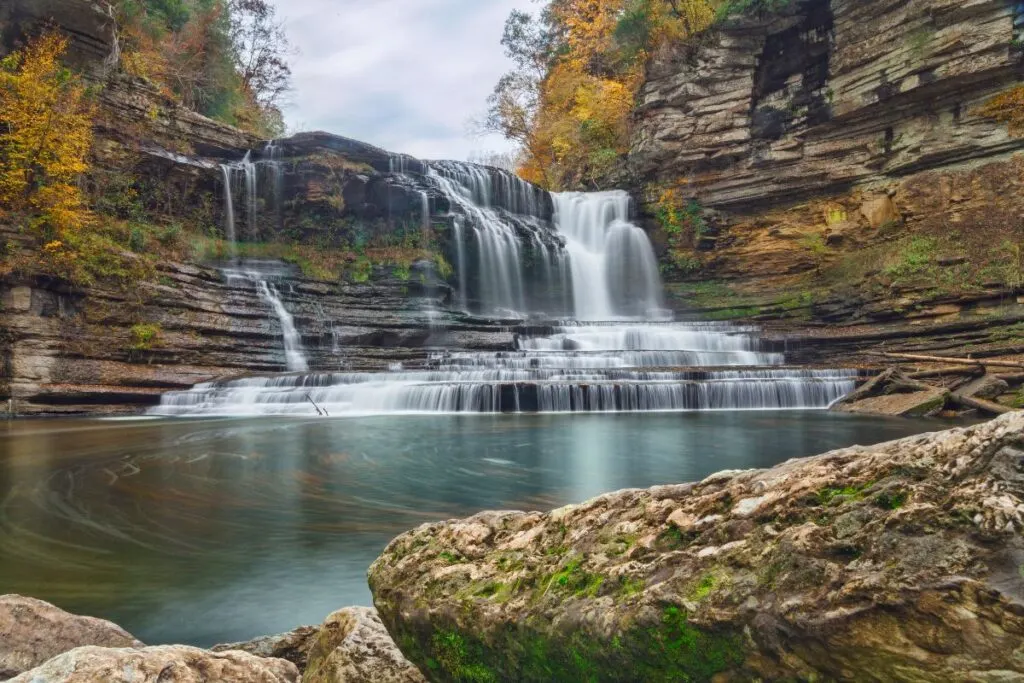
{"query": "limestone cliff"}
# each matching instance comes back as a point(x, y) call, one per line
point(843, 174)
point(825, 95)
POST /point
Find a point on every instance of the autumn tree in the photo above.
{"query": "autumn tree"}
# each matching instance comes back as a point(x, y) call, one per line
point(226, 59)
point(45, 137)
point(579, 67)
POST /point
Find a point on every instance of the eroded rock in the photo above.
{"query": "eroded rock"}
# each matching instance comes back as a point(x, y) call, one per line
point(900, 561)
point(293, 646)
point(33, 631)
point(353, 645)
point(167, 664)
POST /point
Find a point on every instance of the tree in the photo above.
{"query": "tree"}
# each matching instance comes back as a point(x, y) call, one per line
point(579, 67)
point(45, 136)
point(261, 47)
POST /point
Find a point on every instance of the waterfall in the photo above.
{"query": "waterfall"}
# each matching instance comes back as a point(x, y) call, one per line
point(229, 212)
point(614, 269)
point(502, 217)
point(295, 358)
point(522, 252)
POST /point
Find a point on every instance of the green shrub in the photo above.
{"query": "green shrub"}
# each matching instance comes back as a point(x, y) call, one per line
point(145, 336)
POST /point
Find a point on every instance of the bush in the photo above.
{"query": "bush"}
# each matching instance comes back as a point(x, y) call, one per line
point(145, 336)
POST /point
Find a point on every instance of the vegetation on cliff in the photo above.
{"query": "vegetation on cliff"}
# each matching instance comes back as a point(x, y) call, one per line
point(226, 59)
point(579, 67)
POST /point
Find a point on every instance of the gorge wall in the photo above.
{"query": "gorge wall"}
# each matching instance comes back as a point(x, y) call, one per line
point(840, 167)
point(850, 198)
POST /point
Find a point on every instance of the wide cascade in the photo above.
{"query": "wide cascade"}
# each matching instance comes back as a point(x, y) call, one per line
point(574, 258)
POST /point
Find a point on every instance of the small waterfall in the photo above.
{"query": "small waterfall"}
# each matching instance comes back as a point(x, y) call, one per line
point(295, 357)
point(272, 159)
point(262, 275)
point(229, 212)
point(502, 218)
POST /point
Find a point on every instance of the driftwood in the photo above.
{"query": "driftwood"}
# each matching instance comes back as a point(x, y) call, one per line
point(868, 388)
point(976, 370)
point(944, 359)
point(980, 404)
point(892, 380)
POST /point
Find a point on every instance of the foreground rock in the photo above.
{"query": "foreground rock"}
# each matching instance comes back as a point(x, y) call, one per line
point(168, 664)
point(33, 631)
point(896, 562)
point(353, 645)
point(293, 646)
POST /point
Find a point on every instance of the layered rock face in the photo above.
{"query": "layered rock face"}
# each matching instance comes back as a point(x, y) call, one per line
point(826, 94)
point(68, 352)
point(894, 562)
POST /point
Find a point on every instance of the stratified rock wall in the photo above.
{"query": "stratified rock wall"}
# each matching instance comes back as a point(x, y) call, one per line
point(825, 95)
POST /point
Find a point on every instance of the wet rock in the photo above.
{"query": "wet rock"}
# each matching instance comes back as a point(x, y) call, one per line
point(167, 664)
point(893, 562)
point(33, 631)
point(293, 646)
point(353, 645)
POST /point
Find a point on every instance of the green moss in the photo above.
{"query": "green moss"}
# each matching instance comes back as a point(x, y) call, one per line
point(703, 588)
point(892, 500)
point(629, 586)
point(449, 557)
point(829, 495)
point(670, 539)
point(666, 649)
point(144, 336)
point(574, 580)
point(461, 660)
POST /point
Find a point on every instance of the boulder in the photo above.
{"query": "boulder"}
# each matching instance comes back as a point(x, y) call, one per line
point(899, 561)
point(33, 631)
point(354, 646)
point(166, 664)
point(293, 646)
point(879, 211)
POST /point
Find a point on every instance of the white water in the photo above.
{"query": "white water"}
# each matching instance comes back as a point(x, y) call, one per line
point(599, 269)
point(295, 358)
point(614, 269)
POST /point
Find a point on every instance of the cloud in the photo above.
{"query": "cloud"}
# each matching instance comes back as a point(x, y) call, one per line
point(406, 75)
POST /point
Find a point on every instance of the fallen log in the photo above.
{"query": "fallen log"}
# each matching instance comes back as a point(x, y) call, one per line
point(942, 372)
point(1011, 378)
point(868, 388)
point(979, 404)
point(945, 359)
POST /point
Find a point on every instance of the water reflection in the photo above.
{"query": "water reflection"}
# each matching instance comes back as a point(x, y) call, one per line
point(213, 530)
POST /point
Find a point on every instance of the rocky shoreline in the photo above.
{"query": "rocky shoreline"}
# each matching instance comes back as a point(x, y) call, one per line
point(900, 561)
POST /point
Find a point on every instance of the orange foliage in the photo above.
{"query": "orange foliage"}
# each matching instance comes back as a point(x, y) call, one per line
point(580, 131)
point(1006, 107)
point(45, 136)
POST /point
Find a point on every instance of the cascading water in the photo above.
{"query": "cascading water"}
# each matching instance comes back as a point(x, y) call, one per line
point(518, 252)
point(295, 359)
point(262, 279)
point(614, 269)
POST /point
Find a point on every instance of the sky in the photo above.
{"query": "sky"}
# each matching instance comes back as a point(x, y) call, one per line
point(405, 75)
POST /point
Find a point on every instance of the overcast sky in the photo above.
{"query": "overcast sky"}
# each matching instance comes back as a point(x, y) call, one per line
point(405, 75)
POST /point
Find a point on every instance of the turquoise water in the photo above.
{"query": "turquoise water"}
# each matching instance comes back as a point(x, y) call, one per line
point(206, 531)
